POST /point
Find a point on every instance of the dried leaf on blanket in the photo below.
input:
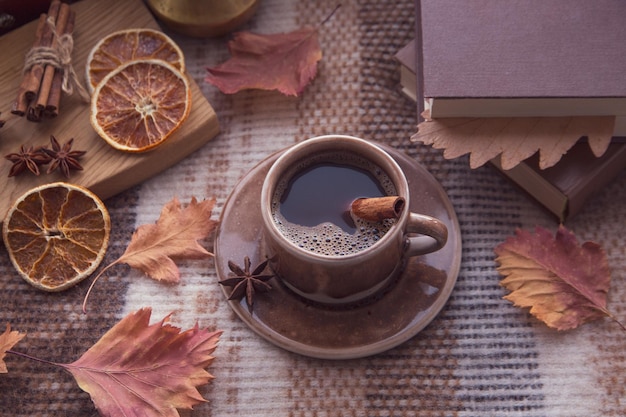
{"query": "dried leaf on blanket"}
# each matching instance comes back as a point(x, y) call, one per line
point(564, 284)
point(175, 235)
point(286, 62)
point(148, 370)
point(153, 248)
point(138, 368)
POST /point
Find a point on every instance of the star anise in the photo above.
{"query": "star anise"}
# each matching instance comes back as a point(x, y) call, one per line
point(246, 283)
point(63, 157)
point(27, 158)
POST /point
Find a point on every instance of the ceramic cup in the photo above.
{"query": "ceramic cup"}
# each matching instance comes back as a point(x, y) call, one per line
point(322, 275)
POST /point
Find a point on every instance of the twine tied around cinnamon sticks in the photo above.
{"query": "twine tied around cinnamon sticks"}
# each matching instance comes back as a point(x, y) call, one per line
point(59, 57)
point(48, 69)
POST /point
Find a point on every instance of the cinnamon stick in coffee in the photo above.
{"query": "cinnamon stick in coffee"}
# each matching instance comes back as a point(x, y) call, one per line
point(378, 208)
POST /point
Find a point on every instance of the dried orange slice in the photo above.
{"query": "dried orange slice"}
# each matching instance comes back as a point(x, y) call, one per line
point(127, 45)
point(56, 235)
point(140, 104)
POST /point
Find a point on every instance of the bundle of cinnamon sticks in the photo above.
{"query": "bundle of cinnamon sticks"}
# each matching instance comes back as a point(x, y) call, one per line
point(39, 93)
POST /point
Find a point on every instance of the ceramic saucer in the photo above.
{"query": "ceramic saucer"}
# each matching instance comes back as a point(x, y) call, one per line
point(294, 324)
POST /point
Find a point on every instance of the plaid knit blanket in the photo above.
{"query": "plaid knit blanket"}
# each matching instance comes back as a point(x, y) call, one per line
point(480, 356)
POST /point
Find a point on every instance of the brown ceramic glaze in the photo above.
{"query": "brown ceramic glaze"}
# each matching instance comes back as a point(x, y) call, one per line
point(412, 300)
point(348, 278)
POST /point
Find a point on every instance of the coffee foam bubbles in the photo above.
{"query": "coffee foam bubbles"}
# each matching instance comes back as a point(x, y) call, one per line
point(326, 238)
point(331, 240)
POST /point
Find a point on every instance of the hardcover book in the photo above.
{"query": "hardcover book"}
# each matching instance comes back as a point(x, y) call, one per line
point(407, 58)
point(562, 189)
point(490, 58)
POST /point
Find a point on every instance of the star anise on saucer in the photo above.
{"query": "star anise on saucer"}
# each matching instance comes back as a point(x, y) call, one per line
point(27, 158)
point(246, 283)
point(63, 157)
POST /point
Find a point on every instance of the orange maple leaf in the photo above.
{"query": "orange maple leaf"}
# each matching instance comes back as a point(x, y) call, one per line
point(563, 283)
point(514, 138)
point(286, 62)
point(137, 369)
point(175, 235)
point(8, 339)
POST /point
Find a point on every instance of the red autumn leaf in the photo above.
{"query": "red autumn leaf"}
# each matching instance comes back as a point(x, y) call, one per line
point(8, 339)
point(286, 62)
point(564, 284)
point(142, 370)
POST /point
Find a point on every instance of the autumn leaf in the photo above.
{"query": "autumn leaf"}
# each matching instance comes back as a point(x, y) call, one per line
point(137, 369)
point(514, 138)
point(175, 235)
point(8, 339)
point(286, 62)
point(564, 284)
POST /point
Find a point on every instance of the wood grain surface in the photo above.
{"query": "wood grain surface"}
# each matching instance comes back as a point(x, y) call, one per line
point(107, 171)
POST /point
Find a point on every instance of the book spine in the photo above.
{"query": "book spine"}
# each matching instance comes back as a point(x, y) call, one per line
point(419, 55)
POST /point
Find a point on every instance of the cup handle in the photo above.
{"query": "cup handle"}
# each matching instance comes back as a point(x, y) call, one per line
point(434, 235)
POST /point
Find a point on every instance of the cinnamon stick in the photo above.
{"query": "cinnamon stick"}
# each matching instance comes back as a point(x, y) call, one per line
point(378, 208)
point(31, 78)
point(49, 71)
point(31, 81)
point(33, 113)
point(54, 98)
point(46, 40)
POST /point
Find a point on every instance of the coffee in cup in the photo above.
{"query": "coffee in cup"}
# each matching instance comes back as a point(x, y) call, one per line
point(311, 205)
point(319, 247)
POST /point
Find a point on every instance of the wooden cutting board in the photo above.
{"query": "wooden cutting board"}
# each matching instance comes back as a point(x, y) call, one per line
point(107, 171)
